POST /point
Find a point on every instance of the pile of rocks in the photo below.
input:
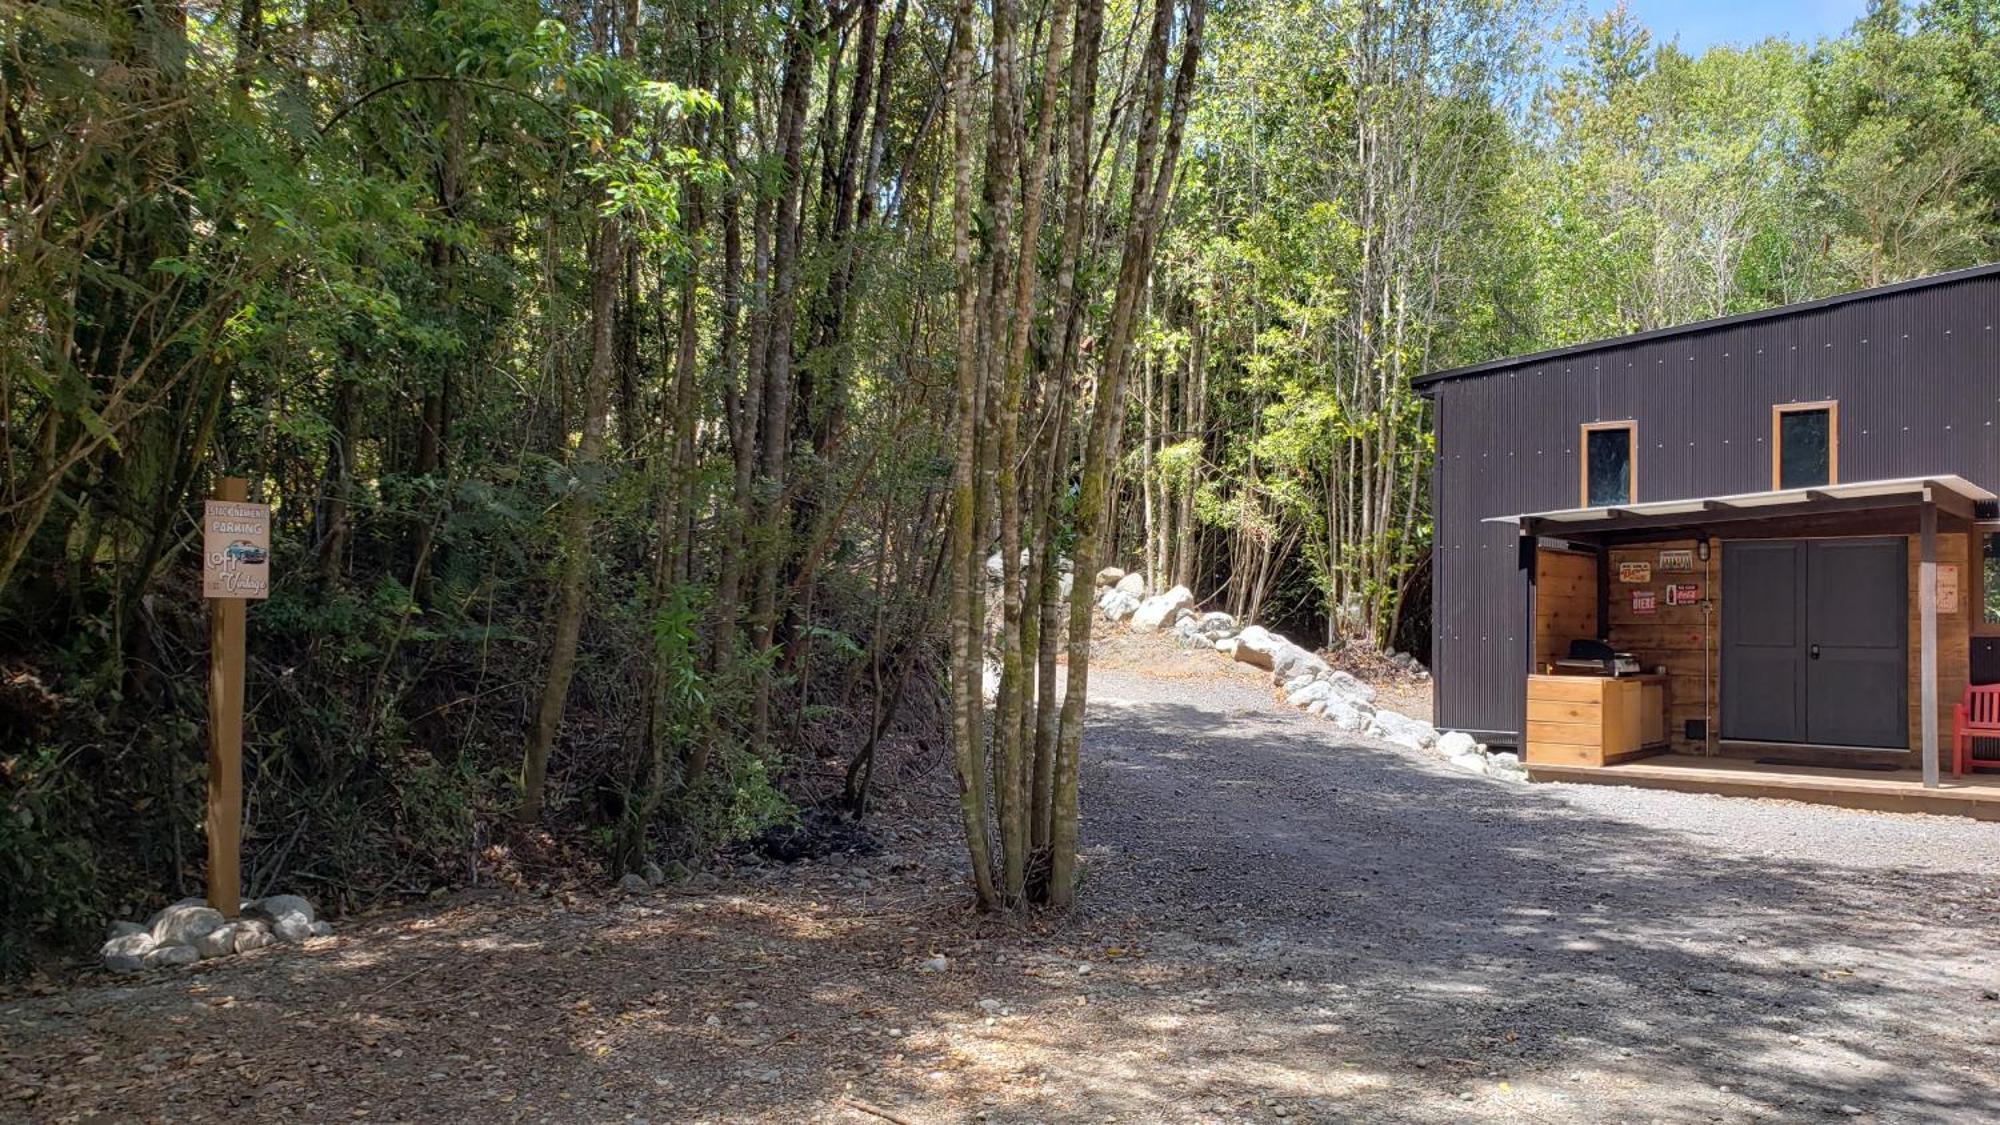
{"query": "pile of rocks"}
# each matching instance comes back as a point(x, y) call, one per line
point(996, 571)
point(191, 930)
point(1308, 682)
point(1409, 664)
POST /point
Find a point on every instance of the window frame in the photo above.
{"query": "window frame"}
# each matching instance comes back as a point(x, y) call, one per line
point(1973, 585)
point(1631, 428)
point(1778, 412)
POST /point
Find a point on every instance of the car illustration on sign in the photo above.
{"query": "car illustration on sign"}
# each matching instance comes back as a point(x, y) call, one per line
point(245, 552)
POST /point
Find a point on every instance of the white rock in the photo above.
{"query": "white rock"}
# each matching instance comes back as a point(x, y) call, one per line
point(165, 955)
point(1453, 743)
point(1118, 605)
point(1315, 691)
point(1133, 584)
point(1471, 761)
point(1347, 687)
point(1316, 708)
point(275, 907)
point(1506, 766)
point(1110, 576)
point(181, 924)
point(292, 928)
point(1348, 716)
point(1403, 730)
point(1289, 660)
point(1297, 682)
point(1216, 624)
point(219, 942)
point(1157, 611)
point(1254, 646)
point(126, 953)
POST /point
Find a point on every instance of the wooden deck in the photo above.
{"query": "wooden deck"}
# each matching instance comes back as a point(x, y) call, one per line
point(1974, 795)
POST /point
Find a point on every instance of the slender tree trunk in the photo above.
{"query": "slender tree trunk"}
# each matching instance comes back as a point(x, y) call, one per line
point(1065, 312)
point(778, 345)
point(1150, 186)
point(968, 702)
point(579, 509)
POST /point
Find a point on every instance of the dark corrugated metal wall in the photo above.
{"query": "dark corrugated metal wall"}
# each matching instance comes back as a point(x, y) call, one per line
point(1916, 373)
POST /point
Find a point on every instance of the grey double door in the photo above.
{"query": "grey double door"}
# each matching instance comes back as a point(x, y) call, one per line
point(1815, 641)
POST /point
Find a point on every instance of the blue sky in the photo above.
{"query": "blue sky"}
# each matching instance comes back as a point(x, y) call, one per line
point(1702, 23)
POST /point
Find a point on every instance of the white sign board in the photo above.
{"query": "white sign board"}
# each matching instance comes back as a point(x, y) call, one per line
point(235, 550)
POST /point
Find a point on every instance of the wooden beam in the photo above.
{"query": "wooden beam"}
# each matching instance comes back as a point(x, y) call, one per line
point(1529, 547)
point(225, 736)
point(1927, 571)
point(1952, 504)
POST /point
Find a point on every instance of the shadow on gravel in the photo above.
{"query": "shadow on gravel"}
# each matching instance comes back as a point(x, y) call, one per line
point(1355, 933)
point(1415, 931)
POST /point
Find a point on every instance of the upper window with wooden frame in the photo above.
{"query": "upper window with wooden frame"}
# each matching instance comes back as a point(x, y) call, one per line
point(1805, 444)
point(1609, 458)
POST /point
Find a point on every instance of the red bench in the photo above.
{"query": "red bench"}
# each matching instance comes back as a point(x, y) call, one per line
point(1976, 716)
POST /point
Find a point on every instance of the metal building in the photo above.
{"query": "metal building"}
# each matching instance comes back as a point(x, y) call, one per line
point(1753, 509)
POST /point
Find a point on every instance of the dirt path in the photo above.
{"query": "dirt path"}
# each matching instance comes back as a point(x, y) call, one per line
point(1281, 925)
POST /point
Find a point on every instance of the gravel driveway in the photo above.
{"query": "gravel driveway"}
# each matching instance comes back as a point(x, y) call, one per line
point(1279, 923)
point(1396, 940)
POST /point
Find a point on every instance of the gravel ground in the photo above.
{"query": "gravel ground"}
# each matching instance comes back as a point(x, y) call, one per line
point(1279, 925)
point(1409, 943)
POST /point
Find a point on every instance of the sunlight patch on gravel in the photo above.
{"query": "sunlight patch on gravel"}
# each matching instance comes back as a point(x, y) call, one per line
point(1278, 924)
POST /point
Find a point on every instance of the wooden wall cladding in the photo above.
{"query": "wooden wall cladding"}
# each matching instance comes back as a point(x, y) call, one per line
point(1565, 602)
point(1679, 637)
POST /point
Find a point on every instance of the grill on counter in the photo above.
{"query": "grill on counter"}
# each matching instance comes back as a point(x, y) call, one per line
point(1595, 658)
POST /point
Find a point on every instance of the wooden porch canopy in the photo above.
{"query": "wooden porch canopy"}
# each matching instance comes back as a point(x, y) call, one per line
point(1828, 509)
point(1953, 495)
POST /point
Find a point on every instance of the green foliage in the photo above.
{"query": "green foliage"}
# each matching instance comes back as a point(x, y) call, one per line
point(754, 802)
point(350, 254)
point(50, 881)
point(1633, 187)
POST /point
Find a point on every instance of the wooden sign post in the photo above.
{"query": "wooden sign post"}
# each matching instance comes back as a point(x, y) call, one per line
point(235, 566)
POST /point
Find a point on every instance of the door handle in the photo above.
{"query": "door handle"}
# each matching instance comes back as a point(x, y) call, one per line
point(1815, 652)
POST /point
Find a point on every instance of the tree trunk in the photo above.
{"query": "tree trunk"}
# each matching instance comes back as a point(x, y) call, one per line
point(579, 509)
point(1150, 186)
point(968, 702)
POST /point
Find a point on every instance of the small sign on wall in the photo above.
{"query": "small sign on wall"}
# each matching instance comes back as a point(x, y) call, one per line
point(1947, 583)
point(1679, 561)
point(1684, 593)
point(235, 550)
point(1635, 572)
point(1645, 602)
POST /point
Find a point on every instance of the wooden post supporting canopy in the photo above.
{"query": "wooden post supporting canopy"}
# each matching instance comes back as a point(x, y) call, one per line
point(1927, 600)
point(225, 736)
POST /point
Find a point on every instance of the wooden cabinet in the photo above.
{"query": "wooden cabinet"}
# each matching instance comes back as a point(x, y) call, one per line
point(1595, 720)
